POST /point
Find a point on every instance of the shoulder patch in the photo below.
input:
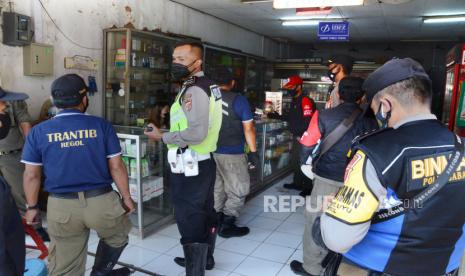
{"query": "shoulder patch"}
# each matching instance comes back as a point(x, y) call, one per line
point(216, 92)
point(354, 203)
point(187, 100)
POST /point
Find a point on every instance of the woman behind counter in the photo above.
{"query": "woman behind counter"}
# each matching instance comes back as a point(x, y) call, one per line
point(159, 115)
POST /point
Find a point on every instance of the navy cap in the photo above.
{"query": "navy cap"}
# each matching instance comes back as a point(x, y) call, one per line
point(8, 96)
point(346, 61)
point(222, 75)
point(393, 71)
point(68, 90)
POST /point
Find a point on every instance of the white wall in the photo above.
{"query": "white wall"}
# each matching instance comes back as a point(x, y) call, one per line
point(84, 20)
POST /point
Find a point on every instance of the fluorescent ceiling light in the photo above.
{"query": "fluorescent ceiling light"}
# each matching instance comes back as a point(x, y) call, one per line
point(444, 19)
point(301, 23)
point(255, 1)
point(293, 4)
point(313, 11)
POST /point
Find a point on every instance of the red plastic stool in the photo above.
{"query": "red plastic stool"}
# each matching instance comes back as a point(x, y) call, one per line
point(40, 245)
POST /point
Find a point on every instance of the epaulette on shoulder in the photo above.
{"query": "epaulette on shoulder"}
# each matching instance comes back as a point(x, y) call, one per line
point(358, 139)
point(190, 81)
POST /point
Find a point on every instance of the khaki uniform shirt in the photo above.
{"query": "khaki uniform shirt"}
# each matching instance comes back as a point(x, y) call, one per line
point(19, 114)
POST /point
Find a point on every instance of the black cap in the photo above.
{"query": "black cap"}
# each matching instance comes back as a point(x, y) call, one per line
point(8, 96)
point(222, 75)
point(68, 90)
point(346, 61)
point(393, 71)
point(350, 89)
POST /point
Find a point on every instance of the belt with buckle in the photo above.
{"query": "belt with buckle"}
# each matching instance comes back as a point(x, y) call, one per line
point(87, 194)
point(9, 152)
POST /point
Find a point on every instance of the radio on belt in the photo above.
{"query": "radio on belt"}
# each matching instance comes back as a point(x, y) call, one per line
point(183, 162)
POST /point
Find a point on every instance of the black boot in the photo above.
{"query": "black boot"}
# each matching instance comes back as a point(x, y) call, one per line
point(196, 258)
point(211, 241)
point(297, 268)
point(229, 229)
point(105, 259)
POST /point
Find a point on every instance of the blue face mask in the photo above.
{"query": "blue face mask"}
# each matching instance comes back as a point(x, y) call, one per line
point(382, 119)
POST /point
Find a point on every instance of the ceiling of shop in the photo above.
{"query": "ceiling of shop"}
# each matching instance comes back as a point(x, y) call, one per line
point(373, 22)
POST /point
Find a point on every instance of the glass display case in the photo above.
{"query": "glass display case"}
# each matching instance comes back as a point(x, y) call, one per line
point(216, 58)
point(274, 145)
point(146, 166)
point(136, 74)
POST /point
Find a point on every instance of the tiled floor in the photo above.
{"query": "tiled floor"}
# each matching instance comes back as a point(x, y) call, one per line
point(274, 240)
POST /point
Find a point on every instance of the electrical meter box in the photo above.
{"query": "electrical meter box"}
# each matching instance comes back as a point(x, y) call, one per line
point(38, 59)
point(17, 29)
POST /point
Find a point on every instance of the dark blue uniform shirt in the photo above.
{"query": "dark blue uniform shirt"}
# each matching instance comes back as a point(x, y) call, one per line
point(12, 248)
point(73, 149)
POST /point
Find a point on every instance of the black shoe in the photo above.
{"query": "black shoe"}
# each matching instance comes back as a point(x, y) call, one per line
point(211, 241)
point(196, 258)
point(124, 271)
point(292, 186)
point(297, 268)
point(229, 229)
point(43, 234)
point(182, 262)
point(106, 258)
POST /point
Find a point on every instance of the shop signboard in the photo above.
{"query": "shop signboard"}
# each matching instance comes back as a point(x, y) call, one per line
point(338, 31)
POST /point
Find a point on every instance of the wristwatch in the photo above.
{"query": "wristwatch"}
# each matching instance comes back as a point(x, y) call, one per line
point(32, 207)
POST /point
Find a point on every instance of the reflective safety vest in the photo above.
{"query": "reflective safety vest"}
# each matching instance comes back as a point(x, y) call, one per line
point(178, 119)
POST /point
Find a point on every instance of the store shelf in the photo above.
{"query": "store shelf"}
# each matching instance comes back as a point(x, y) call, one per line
point(141, 78)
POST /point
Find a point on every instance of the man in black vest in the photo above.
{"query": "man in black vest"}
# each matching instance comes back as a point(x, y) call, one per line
point(375, 219)
point(232, 176)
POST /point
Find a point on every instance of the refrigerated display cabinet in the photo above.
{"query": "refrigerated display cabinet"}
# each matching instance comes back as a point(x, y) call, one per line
point(453, 111)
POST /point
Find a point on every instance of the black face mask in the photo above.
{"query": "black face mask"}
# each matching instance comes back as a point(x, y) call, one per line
point(5, 121)
point(180, 71)
point(291, 92)
point(331, 75)
point(382, 120)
